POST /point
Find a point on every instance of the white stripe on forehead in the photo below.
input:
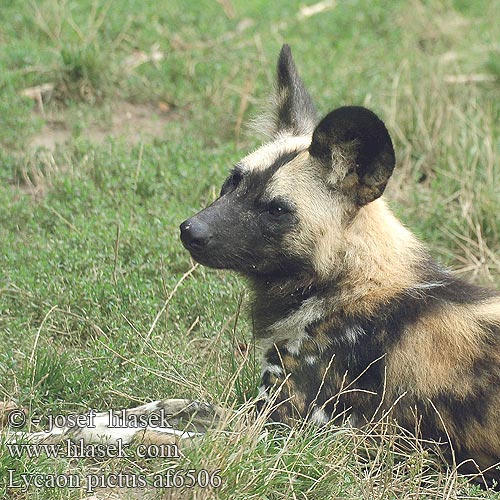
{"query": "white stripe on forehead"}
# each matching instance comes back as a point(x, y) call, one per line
point(267, 154)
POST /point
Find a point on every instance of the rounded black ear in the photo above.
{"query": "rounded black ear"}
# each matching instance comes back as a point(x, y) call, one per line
point(353, 144)
point(295, 112)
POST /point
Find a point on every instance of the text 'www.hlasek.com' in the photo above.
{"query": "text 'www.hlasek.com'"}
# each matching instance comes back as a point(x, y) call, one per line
point(105, 446)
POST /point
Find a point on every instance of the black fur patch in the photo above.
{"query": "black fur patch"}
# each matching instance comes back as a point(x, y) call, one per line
point(276, 297)
point(364, 141)
point(453, 289)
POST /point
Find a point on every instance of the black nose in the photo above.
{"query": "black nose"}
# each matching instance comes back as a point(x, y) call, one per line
point(195, 234)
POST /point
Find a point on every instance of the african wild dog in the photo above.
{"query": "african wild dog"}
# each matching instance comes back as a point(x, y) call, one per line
point(353, 316)
point(343, 294)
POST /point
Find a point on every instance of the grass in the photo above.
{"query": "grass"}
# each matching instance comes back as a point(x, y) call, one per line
point(94, 312)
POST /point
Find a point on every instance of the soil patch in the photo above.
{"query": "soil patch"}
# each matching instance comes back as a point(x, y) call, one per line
point(133, 122)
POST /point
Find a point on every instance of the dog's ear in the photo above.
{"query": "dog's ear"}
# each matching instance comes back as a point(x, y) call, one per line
point(355, 152)
point(294, 110)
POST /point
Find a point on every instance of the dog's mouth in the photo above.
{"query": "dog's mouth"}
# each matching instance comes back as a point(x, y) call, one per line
point(206, 259)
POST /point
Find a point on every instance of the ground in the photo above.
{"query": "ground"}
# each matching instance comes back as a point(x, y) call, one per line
point(118, 120)
point(132, 122)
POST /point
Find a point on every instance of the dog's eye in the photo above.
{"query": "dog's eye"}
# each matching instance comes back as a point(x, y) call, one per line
point(231, 183)
point(277, 210)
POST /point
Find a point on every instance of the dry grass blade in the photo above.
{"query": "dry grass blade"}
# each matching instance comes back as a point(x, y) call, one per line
point(317, 8)
point(167, 301)
point(470, 79)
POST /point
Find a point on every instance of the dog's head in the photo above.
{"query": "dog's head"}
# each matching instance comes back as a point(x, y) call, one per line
point(284, 208)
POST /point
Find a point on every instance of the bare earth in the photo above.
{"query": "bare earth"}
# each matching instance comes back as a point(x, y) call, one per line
point(134, 122)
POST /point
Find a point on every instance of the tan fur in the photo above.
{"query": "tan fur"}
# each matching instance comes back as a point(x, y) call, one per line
point(489, 310)
point(320, 214)
point(379, 258)
point(437, 353)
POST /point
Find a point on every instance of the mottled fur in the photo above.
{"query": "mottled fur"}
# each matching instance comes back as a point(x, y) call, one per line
point(352, 315)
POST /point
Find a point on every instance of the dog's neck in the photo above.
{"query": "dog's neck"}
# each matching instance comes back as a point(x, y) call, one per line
point(380, 260)
point(276, 299)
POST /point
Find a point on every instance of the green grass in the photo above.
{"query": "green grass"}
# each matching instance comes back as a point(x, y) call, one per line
point(89, 248)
